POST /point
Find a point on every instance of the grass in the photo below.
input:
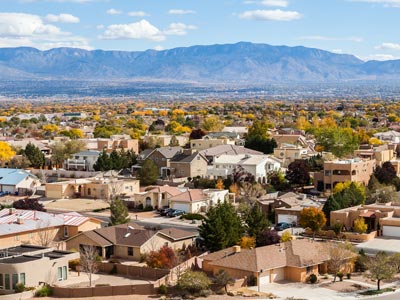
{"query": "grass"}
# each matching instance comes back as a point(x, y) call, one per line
point(376, 292)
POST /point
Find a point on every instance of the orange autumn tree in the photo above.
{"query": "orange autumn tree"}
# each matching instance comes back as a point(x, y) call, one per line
point(164, 258)
point(312, 218)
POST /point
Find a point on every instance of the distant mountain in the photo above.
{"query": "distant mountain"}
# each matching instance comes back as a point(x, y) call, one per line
point(230, 63)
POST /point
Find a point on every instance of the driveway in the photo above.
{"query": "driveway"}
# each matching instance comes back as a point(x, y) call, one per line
point(285, 290)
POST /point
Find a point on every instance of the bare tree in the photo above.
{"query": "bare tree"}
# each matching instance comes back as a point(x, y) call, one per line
point(89, 261)
point(44, 234)
point(339, 256)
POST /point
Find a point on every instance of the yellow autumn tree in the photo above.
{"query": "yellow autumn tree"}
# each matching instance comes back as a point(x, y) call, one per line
point(6, 153)
point(220, 184)
point(247, 242)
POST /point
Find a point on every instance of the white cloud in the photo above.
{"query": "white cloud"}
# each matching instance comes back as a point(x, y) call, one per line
point(113, 11)
point(100, 26)
point(386, 3)
point(270, 15)
point(380, 57)
point(19, 29)
point(138, 30)
point(138, 14)
point(158, 48)
point(62, 18)
point(180, 12)
point(279, 3)
point(388, 46)
point(178, 29)
point(327, 38)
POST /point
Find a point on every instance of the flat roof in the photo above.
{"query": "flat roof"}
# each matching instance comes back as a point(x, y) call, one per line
point(19, 259)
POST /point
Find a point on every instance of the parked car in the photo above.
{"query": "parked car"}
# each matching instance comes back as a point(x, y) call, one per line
point(164, 211)
point(282, 226)
point(175, 213)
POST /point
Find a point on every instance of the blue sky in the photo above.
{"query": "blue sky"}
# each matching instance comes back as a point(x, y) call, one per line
point(366, 28)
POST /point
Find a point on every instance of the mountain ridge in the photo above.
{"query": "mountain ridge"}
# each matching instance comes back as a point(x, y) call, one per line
point(220, 63)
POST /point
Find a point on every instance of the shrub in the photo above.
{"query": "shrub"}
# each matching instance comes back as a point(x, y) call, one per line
point(162, 289)
point(140, 206)
point(44, 291)
point(194, 282)
point(313, 278)
point(148, 208)
point(113, 270)
point(19, 287)
point(348, 275)
point(340, 275)
point(191, 216)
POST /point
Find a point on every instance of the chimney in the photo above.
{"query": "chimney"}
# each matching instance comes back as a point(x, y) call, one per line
point(236, 249)
point(11, 211)
point(20, 220)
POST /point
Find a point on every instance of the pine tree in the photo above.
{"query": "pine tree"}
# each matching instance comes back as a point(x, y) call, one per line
point(119, 212)
point(222, 227)
point(116, 161)
point(35, 156)
point(148, 173)
point(103, 162)
point(256, 222)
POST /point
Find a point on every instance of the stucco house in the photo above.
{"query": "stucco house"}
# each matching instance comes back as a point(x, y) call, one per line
point(130, 241)
point(17, 181)
point(188, 164)
point(293, 261)
point(161, 157)
point(32, 265)
point(82, 161)
point(41, 228)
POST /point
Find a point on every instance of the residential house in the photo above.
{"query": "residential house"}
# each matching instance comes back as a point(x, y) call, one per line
point(294, 139)
point(356, 170)
point(380, 153)
point(388, 136)
point(156, 196)
point(257, 165)
point(294, 261)
point(82, 161)
point(40, 228)
point(95, 188)
point(384, 217)
point(130, 241)
point(206, 143)
point(17, 181)
point(118, 142)
point(231, 138)
point(287, 207)
point(217, 151)
point(32, 266)
point(197, 200)
point(188, 164)
point(288, 153)
point(162, 158)
point(164, 140)
point(241, 130)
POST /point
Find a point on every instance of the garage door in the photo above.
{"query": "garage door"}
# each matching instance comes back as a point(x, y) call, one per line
point(278, 274)
point(264, 278)
point(8, 188)
point(182, 206)
point(391, 231)
point(287, 219)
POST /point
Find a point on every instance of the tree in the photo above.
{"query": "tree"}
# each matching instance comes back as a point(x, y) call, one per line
point(220, 184)
point(119, 212)
point(194, 282)
point(63, 150)
point(222, 279)
point(173, 142)
point(312, 218)
point(247, 242)
point(339, 141)
point(89, 261)
point(360, 226)
point(222, 227)
point(6, 152)
point(298, 173)
point(148, 174)
point(286, 236)
point(212, 124)
point(164, 258)
point(262, 144)
point(385, 174)
point(278, 180)
point(269, 237)
point(29, 204)
point(339, 254)
point(380, 268)
point(103, 162)
point(256, 223)
point(35, 156)
point(197, 134)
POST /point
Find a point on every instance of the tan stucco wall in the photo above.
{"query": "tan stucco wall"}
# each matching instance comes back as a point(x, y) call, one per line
point(36, 237)
point(299, 274)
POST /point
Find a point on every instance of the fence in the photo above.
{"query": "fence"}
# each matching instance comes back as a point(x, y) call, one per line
point(99, 291)
point(133, 271)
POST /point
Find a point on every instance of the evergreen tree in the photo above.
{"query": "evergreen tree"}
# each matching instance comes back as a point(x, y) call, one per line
point(35, 156)
point(148, 173)
point(174, 141)
point(256, 223)
point(119, 212)
point(116, 161)
point(385, 174)
point(222, 227)
point(103, 162)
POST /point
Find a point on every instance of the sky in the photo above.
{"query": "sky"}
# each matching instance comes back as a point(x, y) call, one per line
point(368, 29)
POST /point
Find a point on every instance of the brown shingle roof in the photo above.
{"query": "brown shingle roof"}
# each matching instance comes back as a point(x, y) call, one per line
point(191, 195)
point(297, 253)
point(177, 234)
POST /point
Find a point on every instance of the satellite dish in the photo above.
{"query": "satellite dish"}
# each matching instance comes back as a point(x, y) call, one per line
point(127, 234)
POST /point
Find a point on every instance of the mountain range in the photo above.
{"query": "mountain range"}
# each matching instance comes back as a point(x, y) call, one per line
point(229, 63)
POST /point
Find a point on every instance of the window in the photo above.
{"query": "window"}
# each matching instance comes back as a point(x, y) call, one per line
point(14, 280)
point(7, 281)
point(59, 273)
point(89, 191)
point(22, 278)
point(309, 269)
point(130, 251)
point(327, 173)
point(64, 273)
point(1, 282)
point(65, 231)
